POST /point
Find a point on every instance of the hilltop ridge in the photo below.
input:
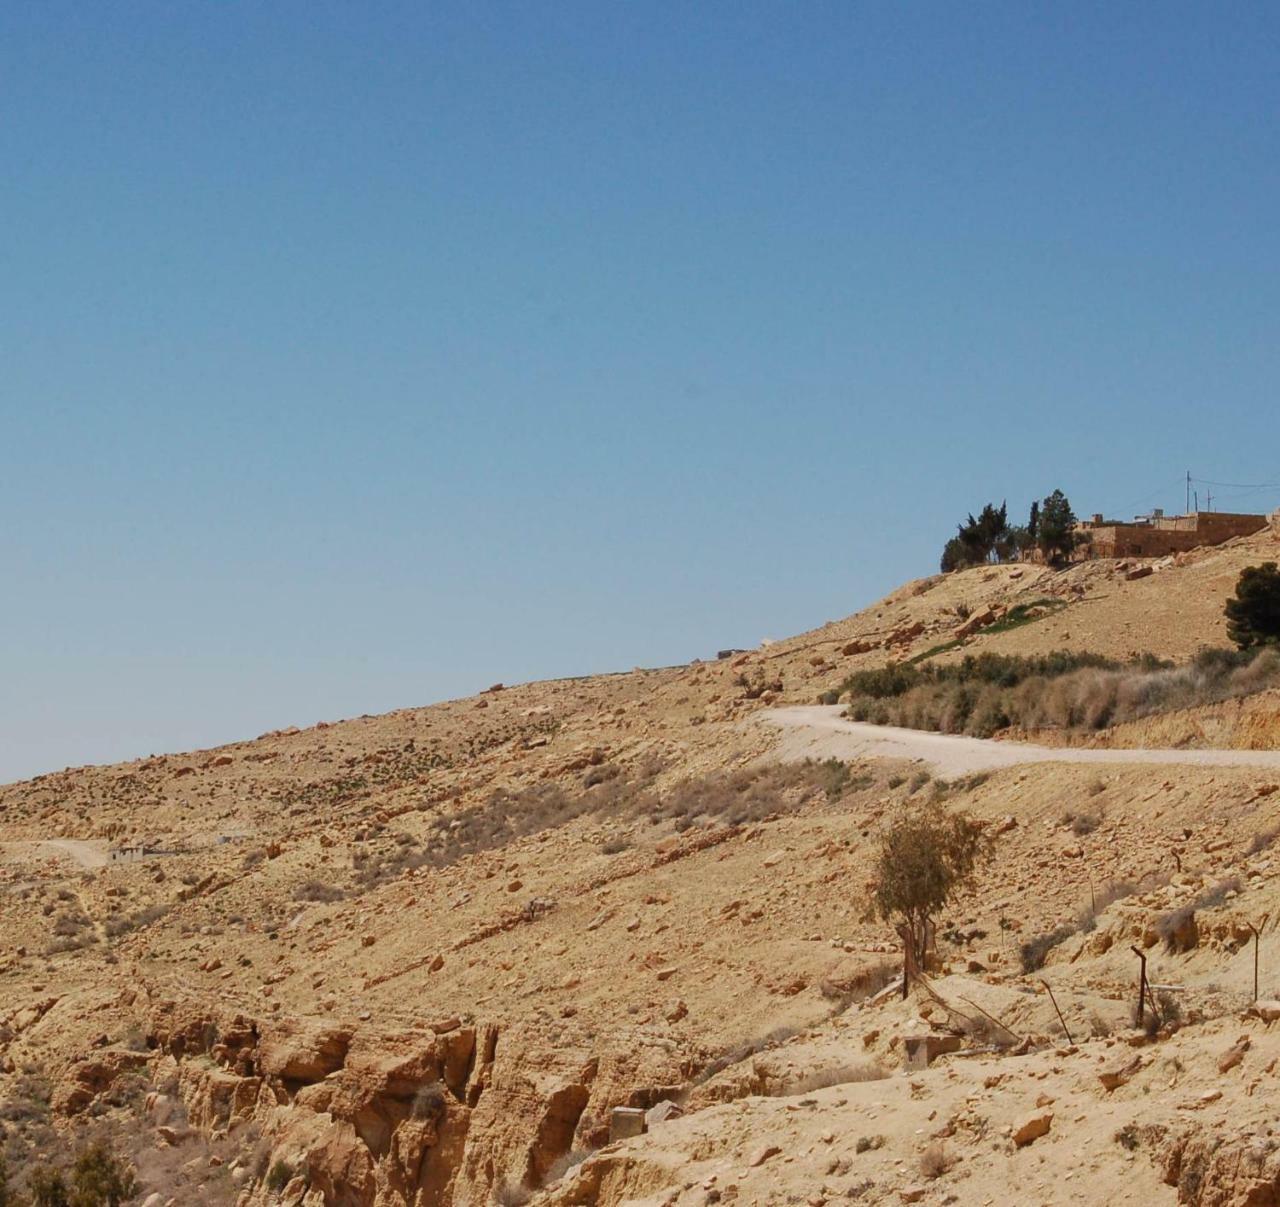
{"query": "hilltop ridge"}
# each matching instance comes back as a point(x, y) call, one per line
point(419, 958)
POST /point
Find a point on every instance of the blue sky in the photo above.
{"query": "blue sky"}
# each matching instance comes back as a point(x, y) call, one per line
point(357, 356)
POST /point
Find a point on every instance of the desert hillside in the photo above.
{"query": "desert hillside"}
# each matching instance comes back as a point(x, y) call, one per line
point(421, 958)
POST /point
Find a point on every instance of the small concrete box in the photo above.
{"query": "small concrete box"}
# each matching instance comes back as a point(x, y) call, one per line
point(625, 1122)
point(922, 1050)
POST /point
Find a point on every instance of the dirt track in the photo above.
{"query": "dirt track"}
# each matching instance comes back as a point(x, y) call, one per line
point(86, 854)
point(820, 732)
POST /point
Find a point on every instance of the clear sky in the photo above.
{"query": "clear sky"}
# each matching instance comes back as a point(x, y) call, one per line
point(356, 356)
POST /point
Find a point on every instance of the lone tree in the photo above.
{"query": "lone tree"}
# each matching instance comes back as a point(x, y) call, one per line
point(926, 856)
point(1056, 529)
point(1253, 613)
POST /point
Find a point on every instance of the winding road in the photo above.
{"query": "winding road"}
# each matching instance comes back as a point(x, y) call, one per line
point(820, 732)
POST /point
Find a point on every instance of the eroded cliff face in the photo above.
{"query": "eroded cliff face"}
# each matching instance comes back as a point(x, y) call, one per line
point(363, 1117)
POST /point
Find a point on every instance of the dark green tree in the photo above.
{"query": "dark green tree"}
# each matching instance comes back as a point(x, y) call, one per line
point(978, 540)
point(48, 1188)
point(1033, 521)
point(954, 556)
point(1016, 541)
point(1253, 612)
point(100, 1179)
point(1056, 529)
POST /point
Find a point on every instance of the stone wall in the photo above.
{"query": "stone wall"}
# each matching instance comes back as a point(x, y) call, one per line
point(1171, 534)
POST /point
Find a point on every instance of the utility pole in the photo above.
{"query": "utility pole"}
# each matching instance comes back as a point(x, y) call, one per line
point(1188, 511)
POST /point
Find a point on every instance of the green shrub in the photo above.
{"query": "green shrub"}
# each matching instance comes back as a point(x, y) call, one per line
point(101, 1179)
point(280, 1176)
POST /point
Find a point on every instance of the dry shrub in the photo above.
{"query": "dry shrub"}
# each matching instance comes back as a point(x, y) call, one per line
point(1178, 931)
point(118, 926)
point(986, 1032)
point(1034, 952)
point(1167, 1013)
point(863, 983)
point(1116, 890)
point(431, 1101)
point(502, 818)
point(511, 1194)
point(1262, 840)
point(822, 1079)
point(1215, 896)
point(69, 924)
point(984, 694)
point(600, 775)
point(740, 1052)
point(317, 890)
point(739, 797)
point(934, 1161)
point(564, 1165)
point(1082, 822)
point(733, 798)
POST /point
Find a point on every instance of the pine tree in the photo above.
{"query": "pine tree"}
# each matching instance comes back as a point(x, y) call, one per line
point(1253, 613)
point(1056, 528)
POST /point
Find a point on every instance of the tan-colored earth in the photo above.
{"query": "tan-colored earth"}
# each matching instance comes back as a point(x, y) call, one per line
point(421, 958)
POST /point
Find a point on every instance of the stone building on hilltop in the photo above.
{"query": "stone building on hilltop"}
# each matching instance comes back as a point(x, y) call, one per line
point(1158, 535)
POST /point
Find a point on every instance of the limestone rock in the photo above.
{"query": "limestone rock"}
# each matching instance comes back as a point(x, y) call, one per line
point(1113, 1079)
point(1233, 1055)
point(1032, 1128)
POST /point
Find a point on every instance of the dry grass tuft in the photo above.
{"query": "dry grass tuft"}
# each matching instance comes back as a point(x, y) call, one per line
point(845, 1074)
point(934, 1161)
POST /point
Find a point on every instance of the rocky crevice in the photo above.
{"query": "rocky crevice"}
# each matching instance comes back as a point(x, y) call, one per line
point(411, 1118)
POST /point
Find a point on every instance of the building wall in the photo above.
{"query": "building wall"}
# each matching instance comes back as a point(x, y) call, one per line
point(1171, 534)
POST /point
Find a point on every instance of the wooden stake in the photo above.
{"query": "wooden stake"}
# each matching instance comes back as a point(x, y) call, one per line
point(1142, 984)
point(1062, 1020)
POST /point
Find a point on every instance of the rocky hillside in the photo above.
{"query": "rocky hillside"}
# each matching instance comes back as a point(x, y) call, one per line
point(421, 958)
